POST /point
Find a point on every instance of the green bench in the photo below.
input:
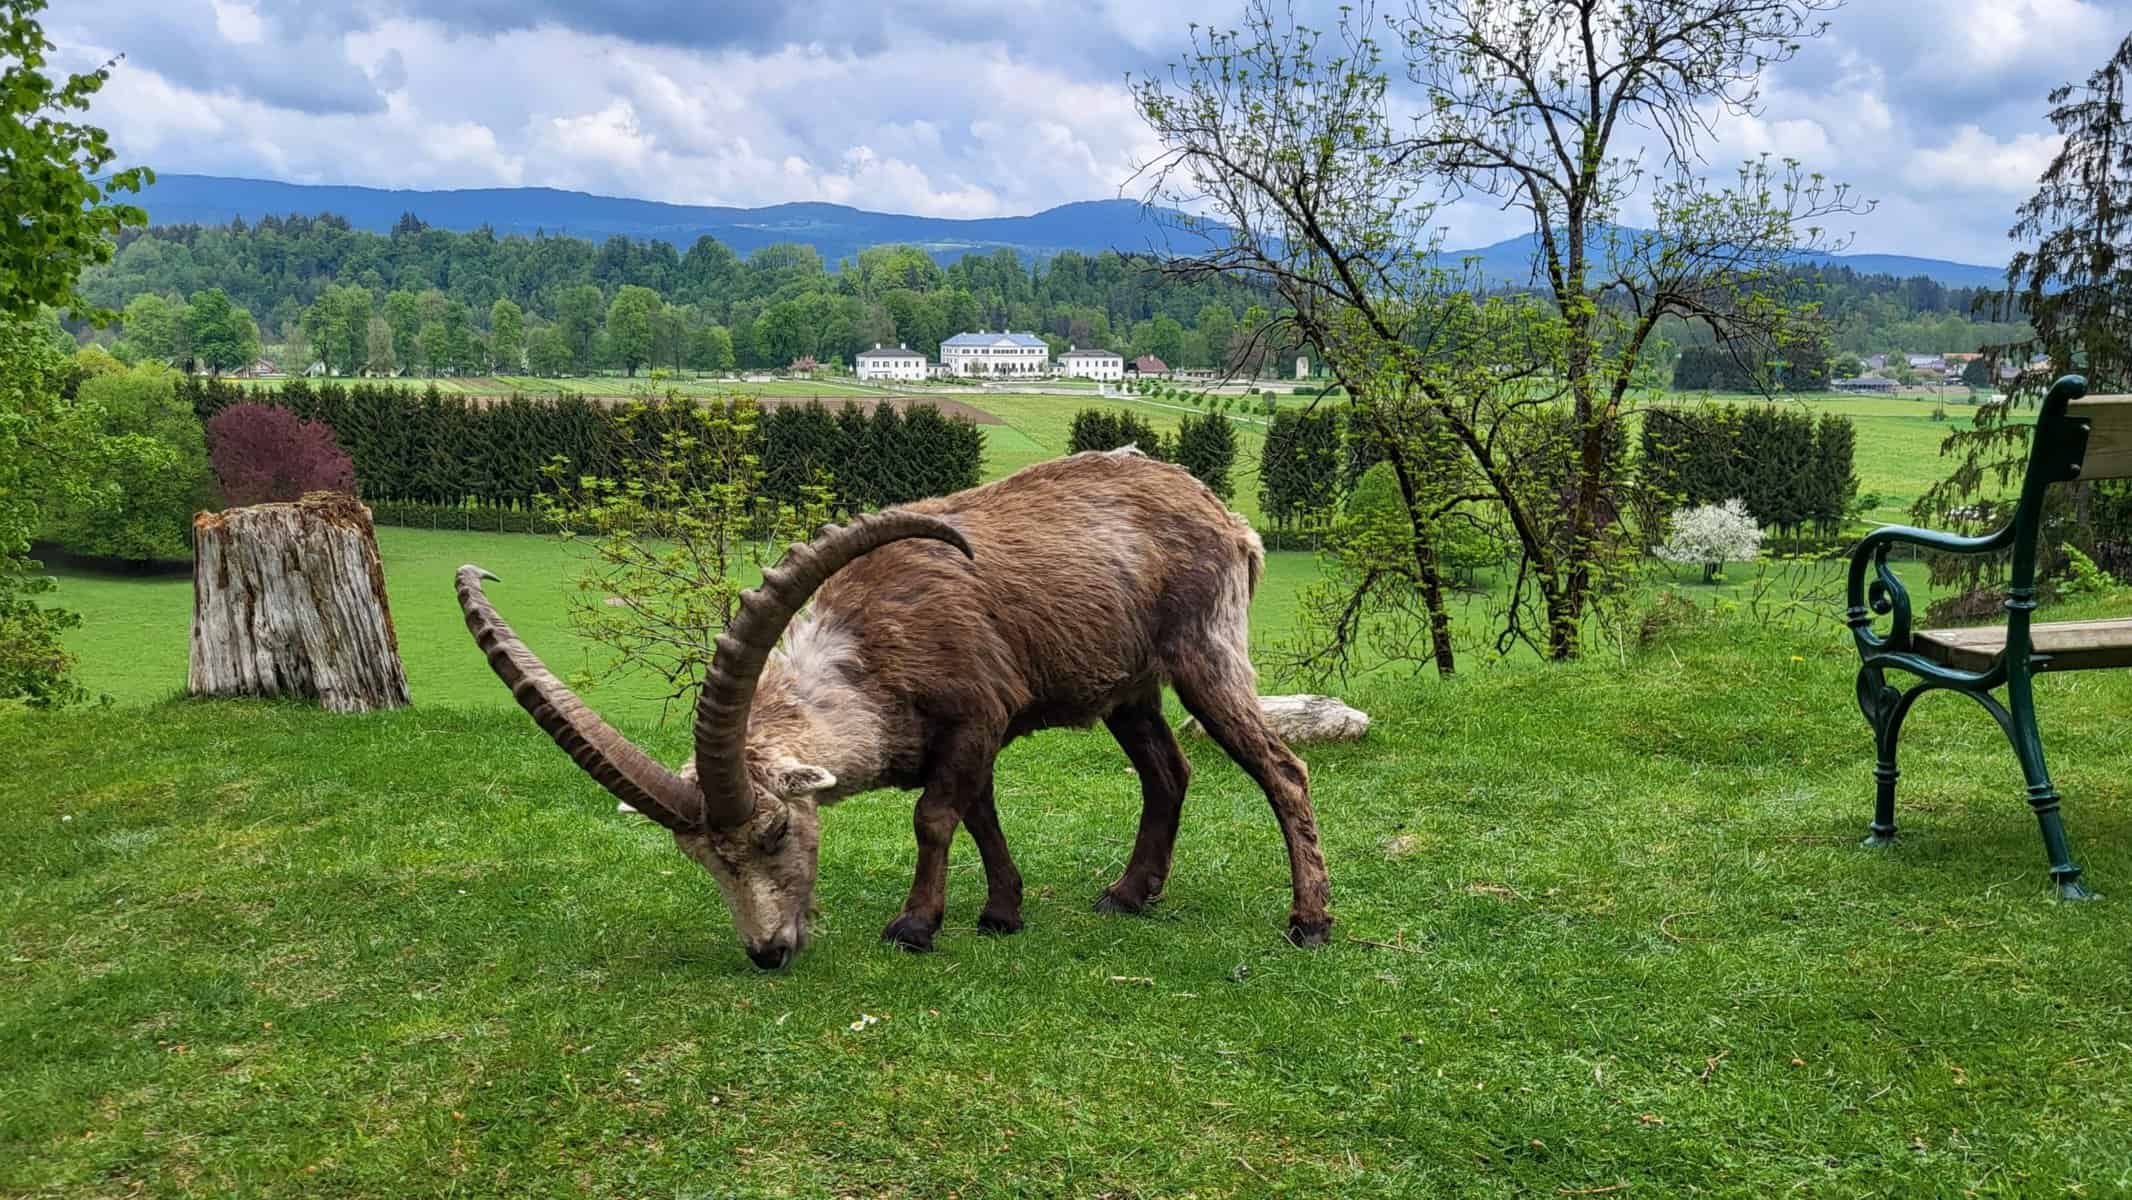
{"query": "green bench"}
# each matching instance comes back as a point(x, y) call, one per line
point(2077, 436)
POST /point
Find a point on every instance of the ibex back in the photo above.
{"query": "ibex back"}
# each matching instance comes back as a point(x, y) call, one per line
point(1067, 593)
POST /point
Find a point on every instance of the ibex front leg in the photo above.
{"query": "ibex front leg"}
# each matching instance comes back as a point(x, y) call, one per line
point(961, 778)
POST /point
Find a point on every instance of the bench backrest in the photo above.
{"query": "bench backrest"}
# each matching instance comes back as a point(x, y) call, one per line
point(2077, 437)
point(2109, 420)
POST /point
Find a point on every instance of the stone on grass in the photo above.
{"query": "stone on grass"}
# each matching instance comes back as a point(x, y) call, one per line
point(1307, 719)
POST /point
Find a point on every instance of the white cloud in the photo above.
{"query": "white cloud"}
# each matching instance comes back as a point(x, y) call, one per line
point(1976, 161)
point(610, 136)
point(239, 24)
point(1935, 107)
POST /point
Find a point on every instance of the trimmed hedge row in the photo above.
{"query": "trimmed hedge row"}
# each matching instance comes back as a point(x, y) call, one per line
point(1718, 369)
point(1790, 469)
point(421, 454)
point(1300, 463)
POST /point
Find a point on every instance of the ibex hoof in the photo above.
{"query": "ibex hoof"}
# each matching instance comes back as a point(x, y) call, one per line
point(910, 933)
point(1309, 934)
point(999, 923)
point(1114, 901)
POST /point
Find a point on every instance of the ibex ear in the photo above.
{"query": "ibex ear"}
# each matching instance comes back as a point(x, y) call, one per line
point(795, 779)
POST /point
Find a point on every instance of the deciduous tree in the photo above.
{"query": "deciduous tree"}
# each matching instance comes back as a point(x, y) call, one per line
point(577, 314)
point(60, 205)
point(380, 358)
point(155, 327)
point(631, 326)
point(220, 335)
point(507, 337)
point(262, 453)
point(147, 469)
point(548, 351)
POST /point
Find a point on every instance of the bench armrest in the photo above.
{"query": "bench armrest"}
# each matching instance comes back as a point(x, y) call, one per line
point(1885, 595)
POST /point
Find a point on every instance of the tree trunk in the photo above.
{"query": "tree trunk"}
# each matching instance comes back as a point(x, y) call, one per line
point(1425, 561)
point(289, 601)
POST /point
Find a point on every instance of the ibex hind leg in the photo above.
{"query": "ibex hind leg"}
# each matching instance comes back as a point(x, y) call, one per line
point(1144, 734)
point(1220, 689)
point(1003, 882)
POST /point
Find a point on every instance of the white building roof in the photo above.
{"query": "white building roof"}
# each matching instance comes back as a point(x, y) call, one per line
point(890, 352)
point(1093, 354)
point(985, 338)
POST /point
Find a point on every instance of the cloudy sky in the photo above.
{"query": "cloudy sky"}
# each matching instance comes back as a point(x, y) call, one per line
point(1934, 108)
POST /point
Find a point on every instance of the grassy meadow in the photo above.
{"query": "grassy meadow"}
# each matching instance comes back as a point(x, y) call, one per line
point(1601, 927)
point(1604, 930)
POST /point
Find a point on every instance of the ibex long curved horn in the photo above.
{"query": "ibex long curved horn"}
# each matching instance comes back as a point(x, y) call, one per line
point(635, 778)
point(729, 688)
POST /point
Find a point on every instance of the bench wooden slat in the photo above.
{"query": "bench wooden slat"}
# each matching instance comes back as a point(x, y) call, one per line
point(2109, 436)
point(2068, 645)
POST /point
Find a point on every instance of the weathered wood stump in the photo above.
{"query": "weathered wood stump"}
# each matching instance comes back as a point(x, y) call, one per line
point(1307, 719)
point(289, 601)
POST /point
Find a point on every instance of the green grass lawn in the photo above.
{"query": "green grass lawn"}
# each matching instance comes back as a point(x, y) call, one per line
point(1037, 427)
point(254, 949)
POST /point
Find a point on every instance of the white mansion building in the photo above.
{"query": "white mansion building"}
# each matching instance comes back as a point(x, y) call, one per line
point(1077, 363)
point(988, 353)
point(896, 362)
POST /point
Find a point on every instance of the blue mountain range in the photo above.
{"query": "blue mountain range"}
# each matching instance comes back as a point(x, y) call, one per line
point(835, 230)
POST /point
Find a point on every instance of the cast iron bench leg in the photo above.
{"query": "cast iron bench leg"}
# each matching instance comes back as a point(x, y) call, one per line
point(1884, 710)
point(2042, 794)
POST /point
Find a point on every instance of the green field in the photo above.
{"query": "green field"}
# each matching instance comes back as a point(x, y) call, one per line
point(1601, 927)
point(1898, 454)
point(132, 640)
point(1604, 930)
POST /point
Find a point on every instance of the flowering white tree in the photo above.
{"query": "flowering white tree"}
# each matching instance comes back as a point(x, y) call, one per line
point(1713, 535)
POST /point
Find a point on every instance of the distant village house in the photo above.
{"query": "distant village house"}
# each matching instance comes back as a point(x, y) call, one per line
point(1077, 363)
point(1866, 384)
point(898, 362)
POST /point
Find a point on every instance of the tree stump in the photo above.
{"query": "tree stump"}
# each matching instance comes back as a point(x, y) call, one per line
point(289, 601)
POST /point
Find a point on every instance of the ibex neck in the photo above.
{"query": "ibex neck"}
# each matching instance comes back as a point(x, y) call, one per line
point(811, 706)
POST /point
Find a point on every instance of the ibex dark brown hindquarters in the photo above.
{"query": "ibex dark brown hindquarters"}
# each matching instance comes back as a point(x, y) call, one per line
point(1067, 593)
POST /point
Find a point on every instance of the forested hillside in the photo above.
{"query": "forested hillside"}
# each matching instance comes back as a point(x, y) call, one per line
point(433, 301)
point(319, 282)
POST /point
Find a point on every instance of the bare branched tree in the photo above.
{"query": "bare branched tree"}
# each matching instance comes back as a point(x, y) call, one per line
point(1559, 107)
point(1308, 171)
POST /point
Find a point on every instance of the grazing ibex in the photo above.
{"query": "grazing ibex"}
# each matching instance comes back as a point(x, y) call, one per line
point(1067, 593)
